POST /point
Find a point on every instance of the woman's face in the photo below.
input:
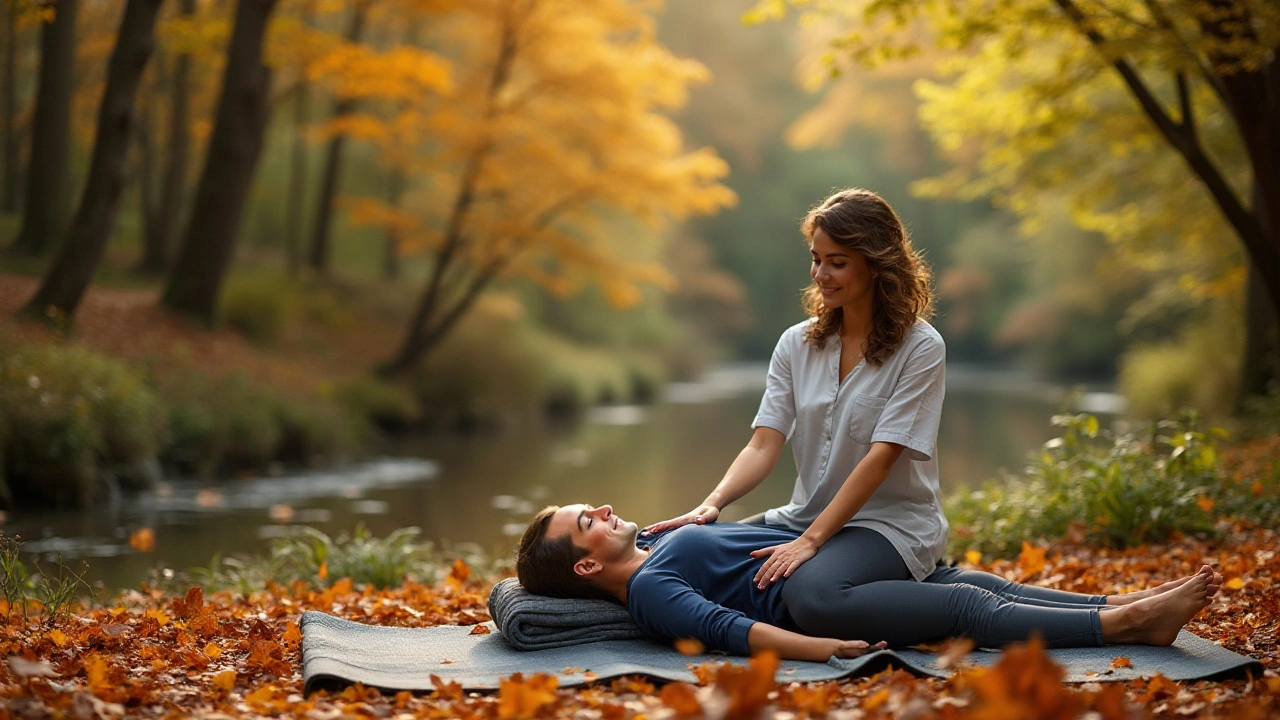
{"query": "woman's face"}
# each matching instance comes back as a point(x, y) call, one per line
point(843, 276)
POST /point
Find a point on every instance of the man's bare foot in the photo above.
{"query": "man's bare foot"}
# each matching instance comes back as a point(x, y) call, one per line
point(1156, 620)
point(1215, 583)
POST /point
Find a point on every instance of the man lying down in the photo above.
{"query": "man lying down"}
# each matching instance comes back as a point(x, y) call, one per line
point(698, 581)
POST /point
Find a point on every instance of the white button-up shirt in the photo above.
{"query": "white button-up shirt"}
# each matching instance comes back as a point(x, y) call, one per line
point(831, 425)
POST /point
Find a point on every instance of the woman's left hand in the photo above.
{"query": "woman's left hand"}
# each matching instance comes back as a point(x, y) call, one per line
point(783, 559)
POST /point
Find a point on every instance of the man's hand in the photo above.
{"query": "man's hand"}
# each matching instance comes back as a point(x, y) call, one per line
point(700, 515)
point(856, 648)
point(783, 559)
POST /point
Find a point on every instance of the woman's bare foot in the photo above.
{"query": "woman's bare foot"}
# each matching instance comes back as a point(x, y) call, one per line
point(1215, 584)
point(1156, 620)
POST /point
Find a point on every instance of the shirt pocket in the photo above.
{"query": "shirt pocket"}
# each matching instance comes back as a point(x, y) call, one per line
point(864, 413)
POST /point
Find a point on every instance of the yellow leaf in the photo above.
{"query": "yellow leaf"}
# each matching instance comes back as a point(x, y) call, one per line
point(213, 651)
point(1234, 583)
point(519, 699)
point(973, 557)
point(225, 680)
point(58, 637)
point(292, 635)
point(158, 616)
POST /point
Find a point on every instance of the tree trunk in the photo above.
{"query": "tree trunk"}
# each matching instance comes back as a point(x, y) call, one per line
point(234, 148)
point(1262, 343)
point(163, 228)
point(65, 282)
point(49, 173)
point(8, 134)
point(318, 258)
point(298, 164)
point(391, 250)
point(147, 173)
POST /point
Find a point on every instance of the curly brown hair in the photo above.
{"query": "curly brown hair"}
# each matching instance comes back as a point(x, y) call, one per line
point(544, 565)
point(863, 222)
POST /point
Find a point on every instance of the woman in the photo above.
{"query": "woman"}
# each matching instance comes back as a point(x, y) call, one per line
point(858, 389)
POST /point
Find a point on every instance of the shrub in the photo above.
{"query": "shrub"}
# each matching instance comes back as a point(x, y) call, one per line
point(387, 405)
point(314, 427)
point(257, 304)
point(314, 557)
point(1112, 490)
point(70, 416)
point(1199, 369)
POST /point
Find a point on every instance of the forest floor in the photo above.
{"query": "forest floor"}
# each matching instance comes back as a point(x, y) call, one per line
point(148, 654)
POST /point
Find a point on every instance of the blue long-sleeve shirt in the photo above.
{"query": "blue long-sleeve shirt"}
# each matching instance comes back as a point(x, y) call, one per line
point(697, 583)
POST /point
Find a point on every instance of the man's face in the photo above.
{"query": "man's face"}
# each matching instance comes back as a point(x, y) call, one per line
point(603, 534)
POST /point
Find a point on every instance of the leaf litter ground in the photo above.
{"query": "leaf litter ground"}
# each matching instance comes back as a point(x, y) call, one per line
point(148, 654)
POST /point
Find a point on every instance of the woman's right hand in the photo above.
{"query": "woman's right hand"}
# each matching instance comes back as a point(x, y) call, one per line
point(700, 515)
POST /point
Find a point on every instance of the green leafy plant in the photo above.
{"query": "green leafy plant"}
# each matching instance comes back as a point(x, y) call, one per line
point(56, 592)
point(1110, 490)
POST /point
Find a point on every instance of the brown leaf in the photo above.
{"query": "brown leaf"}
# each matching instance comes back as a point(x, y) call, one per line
point(690, 646)
point(1121, 662)
point(480, 630)
point(682, 698)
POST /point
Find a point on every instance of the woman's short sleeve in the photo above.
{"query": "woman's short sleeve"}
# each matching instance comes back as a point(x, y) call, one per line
point(913, 411)
point(778, 406)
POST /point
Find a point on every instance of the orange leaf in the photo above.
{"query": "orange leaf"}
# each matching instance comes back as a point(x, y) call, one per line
point(292, 635)
point(445, 690)
point(689, 646)
point(1031, 560)
point(1234, 583)
point(876, 700)
point(158, 616)
point(1121, 662)
point(459, 573)
point(480, 630)
point(143, 540)
point(323, 572)
point(58, 637)
point(682, 698)
point(519, 699)
point(1205, 503)
point(213, 651)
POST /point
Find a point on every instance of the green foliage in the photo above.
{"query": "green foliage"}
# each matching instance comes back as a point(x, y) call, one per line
point(1115, 490)
point(314, 427)
point(68, 416)
point(55, 592)
point(1199, 369)
point(314, 557)
point(385, 404)
point(258, 304)
point(1262, 414)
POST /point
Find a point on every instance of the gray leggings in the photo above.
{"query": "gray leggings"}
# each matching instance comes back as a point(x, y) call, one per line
point(858, 588)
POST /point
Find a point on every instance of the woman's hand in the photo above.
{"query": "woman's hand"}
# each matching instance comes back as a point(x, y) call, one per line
point(700, 515)
point(783, 559)
point(856, 648)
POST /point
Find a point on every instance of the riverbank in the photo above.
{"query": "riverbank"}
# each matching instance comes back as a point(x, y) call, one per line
point(218, 654)
point(133, 392)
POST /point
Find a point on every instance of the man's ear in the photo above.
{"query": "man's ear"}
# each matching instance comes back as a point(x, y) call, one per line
point(587, 567)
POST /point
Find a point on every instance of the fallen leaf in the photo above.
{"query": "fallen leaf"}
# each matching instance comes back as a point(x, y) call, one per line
point(213, 651)
point(1234, 583)
point(682, 698)
point(23, 667)
point(1121, 662)
point(458, 574)
point(689, 646)
point(973, 557)
point(480, 630)
point(519, 699)
point(143, 540)
point(1031, 560)
point(225, 681)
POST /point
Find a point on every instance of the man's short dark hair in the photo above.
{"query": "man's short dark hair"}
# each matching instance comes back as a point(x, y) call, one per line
point(545, 565)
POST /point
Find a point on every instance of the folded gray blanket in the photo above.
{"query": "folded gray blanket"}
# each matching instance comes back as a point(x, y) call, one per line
point(536, 622)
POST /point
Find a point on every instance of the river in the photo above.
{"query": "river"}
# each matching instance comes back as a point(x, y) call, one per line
point(649, 462)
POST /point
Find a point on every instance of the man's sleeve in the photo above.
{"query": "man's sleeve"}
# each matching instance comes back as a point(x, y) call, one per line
point(912, 413)
point(665, 606)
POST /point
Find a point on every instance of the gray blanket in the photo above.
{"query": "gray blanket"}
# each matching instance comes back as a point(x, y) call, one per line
point(336, 652)
point(536, 622)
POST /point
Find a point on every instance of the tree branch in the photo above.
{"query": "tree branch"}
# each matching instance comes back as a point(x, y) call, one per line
point(1206, 72)
point(1188, 123)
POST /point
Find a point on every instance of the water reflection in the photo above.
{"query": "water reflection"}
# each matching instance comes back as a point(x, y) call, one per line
point(648, 462)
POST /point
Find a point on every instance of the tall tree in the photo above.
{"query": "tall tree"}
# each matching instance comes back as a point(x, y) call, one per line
point(297, 192)
point(8, 132)
point(161, 223)
point(240, 121)
point(1202, 76)
point(318, 256)
point(540, 157)
point(68, 277)
point(48, 201)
